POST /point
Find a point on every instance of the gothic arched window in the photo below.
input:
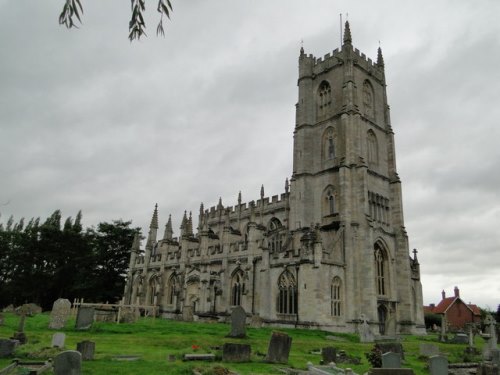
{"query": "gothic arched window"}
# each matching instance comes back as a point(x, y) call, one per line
point(154, 289)
point(336, 296)
point(237, 287)
point(372, 147)
point(287, 296)
point(324, 98)
point(274, 235)
point(380, 270)
point(368, 100)
point(172, 287)
point(329, 202)
point(329, 145)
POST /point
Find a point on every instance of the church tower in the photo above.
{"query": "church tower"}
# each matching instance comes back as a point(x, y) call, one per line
point(345, 181)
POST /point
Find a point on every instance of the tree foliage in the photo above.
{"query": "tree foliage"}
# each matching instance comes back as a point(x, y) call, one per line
point(73, 10)
point(44, 261)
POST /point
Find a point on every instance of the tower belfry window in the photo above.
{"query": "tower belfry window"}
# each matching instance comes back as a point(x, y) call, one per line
point(380, 265)
point(324, 98)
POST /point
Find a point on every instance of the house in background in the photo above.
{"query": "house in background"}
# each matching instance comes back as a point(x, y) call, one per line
point(457, 312)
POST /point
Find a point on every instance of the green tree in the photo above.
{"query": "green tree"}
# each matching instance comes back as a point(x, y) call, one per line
point(73, 10)
point(111, 244)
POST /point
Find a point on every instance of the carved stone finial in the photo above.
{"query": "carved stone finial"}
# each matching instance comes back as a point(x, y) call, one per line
point(287, 186)
point(380, 58)
point(262, 192)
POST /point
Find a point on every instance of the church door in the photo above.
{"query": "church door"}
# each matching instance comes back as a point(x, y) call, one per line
point(382, 318)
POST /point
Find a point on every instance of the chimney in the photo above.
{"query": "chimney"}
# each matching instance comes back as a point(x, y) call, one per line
point(457, 292)
point(443, 294)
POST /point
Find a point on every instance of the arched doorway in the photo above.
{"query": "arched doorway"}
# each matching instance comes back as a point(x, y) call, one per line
point(382, 319)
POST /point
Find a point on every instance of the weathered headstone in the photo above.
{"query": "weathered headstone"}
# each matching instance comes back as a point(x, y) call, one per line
point(68, 363)
point(428, 350)
point(128, 315)
point(442, 336)
point(329, 354)
point(84, 318)
point(236, 352)
point(495, 356)
point(7, 347)
point(460, 338)
point(187, 313)
point(487, 368)
point(365, 333)
point(28, 309)
point(256, 321)
point(391, 360)
point(438, 365)
point(238, 319)
point(58, 340)
point(87, 349)
point(279, 348)
point(394, 347)
point(61, 310)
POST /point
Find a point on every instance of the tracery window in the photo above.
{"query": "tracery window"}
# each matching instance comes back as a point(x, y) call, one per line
point(368, 96)
point(275, 235)
point(237, 287)
point(336, 297)
point(372, 147)
point(154, 289)
point(329, 202)
point(287, 296)
point(324, 98)
point(380, 268)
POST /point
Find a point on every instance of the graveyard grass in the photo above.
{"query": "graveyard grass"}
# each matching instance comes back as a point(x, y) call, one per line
point(153, 340)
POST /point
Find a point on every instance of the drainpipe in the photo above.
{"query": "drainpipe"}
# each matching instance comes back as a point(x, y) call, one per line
point(297, 267)
point(253, 285)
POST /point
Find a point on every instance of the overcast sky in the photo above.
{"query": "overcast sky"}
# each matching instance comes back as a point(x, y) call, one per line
point(91, 121)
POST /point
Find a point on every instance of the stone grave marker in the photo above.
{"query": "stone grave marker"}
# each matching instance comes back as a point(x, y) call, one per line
point(428, 350)
point(61, 310)
point(29, 309)
point(87, 350)
point(365, 333)
point(68, 363)
point(7, 347)
point(442, 336)
point(187, 313)
point(391, 360)
point(461, 338)
point(236, 352)
point(394, 347)
point(256, 321)
point(128, 315)
point(84, 318)
point(238, 320)
point(279, 348)
point(495, 356)
point(329, 354)
point(438, 365)
point(58, 340)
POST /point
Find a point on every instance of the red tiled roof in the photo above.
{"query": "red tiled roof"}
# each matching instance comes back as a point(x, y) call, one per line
point(443, 305)
point(475, 309)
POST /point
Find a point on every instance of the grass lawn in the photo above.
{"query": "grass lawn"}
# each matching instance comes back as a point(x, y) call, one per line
point(154, 339)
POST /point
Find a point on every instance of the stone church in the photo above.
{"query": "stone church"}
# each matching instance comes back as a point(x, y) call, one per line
point(330, 252)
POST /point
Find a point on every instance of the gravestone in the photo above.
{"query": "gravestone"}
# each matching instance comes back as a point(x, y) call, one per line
point(460, 338)
point(28, 309)
point(329, 354)
point(438, 365)
point(487, 368)
point(391, 360)
point(428, 350)
point(394, 347)
point(87, 350)
point(84, 318)
point(279, 348)
point(442, 336)
point(495, 356)
point(236, 352)
point(238, 320)
point(256, 321)
point(61, 310)
point(365, 333)
point(187, 313)
point(68, 363)
point(128, 315)
point(7, 347)
point(58, 340)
